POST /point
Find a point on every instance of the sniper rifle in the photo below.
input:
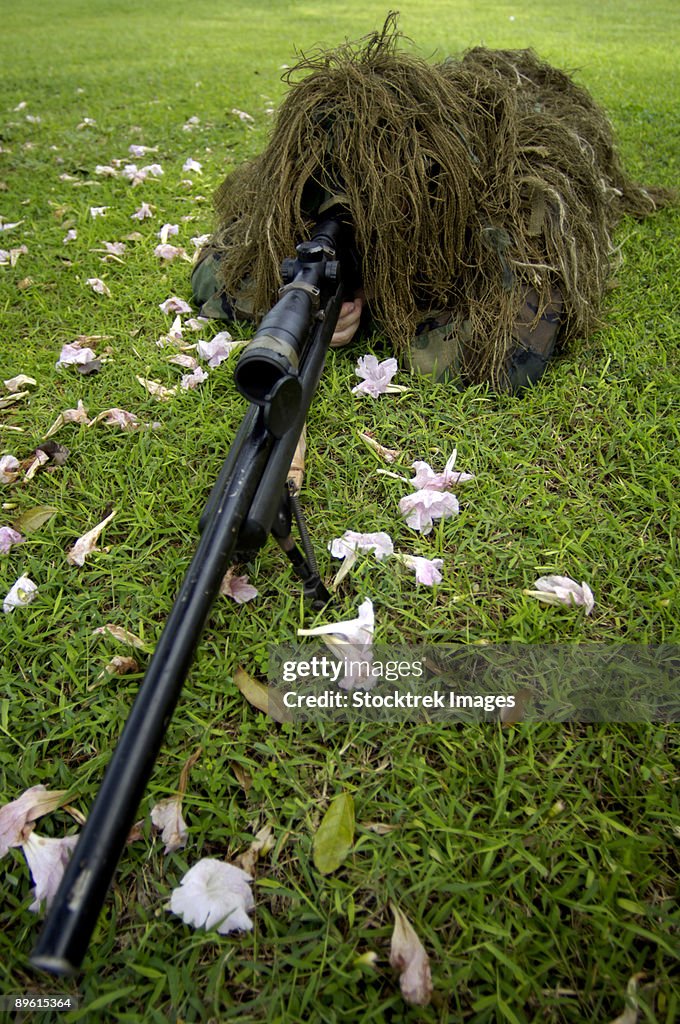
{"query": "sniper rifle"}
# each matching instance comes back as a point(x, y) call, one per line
point(278, 372)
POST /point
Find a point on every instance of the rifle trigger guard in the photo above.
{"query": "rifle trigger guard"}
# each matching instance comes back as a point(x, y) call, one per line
point(302, 286)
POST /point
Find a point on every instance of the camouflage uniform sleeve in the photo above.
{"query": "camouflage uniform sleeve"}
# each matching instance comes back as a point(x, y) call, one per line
point(209, 296)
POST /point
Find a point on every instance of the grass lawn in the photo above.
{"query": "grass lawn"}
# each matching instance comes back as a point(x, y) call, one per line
point(538, 863)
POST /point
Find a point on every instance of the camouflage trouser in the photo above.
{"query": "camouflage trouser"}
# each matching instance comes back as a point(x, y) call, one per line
point(439, 340)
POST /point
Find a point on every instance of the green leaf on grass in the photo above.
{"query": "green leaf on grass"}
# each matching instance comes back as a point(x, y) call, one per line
point(335, 835)
point(33, 518)
point(262, 697)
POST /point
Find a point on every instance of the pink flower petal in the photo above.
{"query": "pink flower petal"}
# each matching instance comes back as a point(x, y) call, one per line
point(175, 305)
point(427, 570)
point(191, 380)
point(422, 507)
point(9, 537)
point(427, 479)
point(142, 213)
point(75, 355)
point(30, 806)
point(376, 376)
point(237, 588)
point(217, 350)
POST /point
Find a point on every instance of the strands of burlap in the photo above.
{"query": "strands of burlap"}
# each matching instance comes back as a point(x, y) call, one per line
point(468, 181)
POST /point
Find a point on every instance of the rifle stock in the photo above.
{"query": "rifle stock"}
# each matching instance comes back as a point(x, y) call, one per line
point(288, 353)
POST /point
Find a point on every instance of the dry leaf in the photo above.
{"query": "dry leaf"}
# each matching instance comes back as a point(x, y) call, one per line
point(408, 956)
point(166, 815)
point(335, 835)
point(242, 777)
point(118, 633)
point(157, 390)
point(136, 832)
point(262, 697)
point(119, 666)
point(261, 845)
point(388, 454)
point(8, 400)
point(379, 827)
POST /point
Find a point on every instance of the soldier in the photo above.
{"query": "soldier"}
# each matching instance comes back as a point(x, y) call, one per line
point(483, 192)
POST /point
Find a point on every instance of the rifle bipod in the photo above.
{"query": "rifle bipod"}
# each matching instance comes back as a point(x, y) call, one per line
point(303, 562)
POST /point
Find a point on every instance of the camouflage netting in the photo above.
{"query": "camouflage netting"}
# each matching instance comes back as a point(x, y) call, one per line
point(468, 182)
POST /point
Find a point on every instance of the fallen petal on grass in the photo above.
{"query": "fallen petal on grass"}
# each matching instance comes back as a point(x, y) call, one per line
point(427, 570)
point(388, 454)
point(15, 384)
point(122, 635)
point(260, 847)
point(422, 507)
point(47, 858)
point(9, 538)
point(86, 545)
point(237, 588)
point(214, 894)
point(379, 543)
point(10, 468)
point(352, 631)
point(175, 305)
point(376, 376)
point(157, 390)
point(31, 805)
point(22, 593)
point(408, 956)
point(426, 478)
point(217, 350)
point(562, 590)
point(166, 816)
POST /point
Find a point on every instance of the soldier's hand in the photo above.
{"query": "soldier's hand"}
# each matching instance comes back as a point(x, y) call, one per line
point(348, 321)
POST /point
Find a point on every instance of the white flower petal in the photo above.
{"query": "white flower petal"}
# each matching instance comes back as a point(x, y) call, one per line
point(47, 859)
point(379, 543)
point(166, 815)
point(351, 631)
point(22, 593)
point(563, 590)
point(214, 894)
point(86, 544)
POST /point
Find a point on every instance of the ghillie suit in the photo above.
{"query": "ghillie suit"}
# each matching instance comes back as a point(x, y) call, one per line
point(472, 184)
